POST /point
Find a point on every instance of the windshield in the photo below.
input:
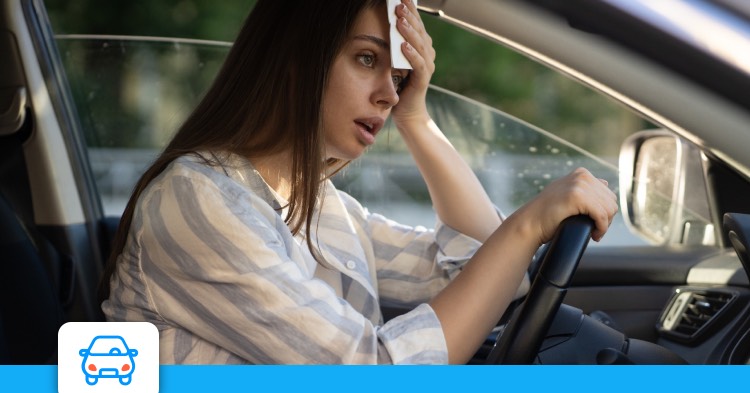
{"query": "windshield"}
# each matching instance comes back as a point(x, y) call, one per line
point(108, 346)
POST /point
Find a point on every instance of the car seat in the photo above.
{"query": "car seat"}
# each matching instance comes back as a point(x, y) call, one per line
point(31, 310)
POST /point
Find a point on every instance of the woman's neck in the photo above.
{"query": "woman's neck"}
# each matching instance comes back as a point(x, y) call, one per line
point(276, 170)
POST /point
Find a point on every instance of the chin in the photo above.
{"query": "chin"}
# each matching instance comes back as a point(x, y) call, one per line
point(347, 155)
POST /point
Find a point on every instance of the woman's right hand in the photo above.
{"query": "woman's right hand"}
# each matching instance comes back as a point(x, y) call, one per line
point(579, 192)
point(490, 279)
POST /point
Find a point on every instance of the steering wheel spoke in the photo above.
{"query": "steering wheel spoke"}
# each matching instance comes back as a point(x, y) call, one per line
point(522, 338)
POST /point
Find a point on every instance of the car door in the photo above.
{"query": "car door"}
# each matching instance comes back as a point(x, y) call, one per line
point(53, 257)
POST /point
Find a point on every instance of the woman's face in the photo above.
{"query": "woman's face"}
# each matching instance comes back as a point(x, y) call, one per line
point(361, 88)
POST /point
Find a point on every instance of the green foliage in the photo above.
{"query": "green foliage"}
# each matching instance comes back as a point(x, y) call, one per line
point(203, 19)
point(467, 64)
point(502, 78)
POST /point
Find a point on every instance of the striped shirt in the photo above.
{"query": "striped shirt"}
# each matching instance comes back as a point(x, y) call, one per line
point(210, 262)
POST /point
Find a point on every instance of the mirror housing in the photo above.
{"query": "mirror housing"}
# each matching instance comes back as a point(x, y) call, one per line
point(663, 189)
point(737, 227)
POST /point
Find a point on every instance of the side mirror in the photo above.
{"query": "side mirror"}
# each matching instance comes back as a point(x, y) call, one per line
point(663, 189)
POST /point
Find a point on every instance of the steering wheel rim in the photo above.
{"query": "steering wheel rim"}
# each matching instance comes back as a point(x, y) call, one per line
point(522, 338)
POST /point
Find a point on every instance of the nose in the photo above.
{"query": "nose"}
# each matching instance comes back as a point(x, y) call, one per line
point(385, 93)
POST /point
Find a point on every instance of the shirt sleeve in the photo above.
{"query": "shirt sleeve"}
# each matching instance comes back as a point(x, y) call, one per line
point(216, 262)
point(413, 264)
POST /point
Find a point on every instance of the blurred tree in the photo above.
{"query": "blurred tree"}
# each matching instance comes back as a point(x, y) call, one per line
point(467, 64)
point(203, 19)
point(502, 78)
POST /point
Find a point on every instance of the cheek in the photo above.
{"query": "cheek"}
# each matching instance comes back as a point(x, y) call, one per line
point(331, 115)
point(347, 84)
point(342, 94)
point(333, 123)
point(339, 104)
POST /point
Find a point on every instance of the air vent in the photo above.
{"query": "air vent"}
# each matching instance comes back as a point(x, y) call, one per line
point(692, 312)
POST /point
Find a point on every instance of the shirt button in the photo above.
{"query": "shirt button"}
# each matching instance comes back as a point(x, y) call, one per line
point(351, 265)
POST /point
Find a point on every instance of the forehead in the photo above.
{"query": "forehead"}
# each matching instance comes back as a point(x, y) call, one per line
point(372, 21)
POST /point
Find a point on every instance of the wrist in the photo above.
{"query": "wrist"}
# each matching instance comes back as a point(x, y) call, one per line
point(417, 122)
point(527, 228)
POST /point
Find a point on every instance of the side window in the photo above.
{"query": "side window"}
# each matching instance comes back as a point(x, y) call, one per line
point(131, 94)
point(519, 124)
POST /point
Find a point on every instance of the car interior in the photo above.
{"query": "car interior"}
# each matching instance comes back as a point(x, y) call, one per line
point(51, 252)
point(683, 303)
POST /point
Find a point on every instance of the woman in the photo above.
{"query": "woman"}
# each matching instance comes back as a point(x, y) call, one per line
point(240, 250)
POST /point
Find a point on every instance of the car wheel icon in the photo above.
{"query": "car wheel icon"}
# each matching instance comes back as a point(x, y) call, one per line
point(91, 380)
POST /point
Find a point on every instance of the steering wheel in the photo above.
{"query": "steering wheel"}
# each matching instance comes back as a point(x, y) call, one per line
point(519, 343)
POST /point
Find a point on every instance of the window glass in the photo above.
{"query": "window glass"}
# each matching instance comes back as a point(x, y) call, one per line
point(131, 94)
point(519, 124)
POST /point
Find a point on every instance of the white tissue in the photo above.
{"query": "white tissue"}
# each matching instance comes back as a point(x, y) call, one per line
point(398, 60)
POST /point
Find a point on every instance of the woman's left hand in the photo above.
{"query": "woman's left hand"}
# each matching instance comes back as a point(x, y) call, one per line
point(417, 48)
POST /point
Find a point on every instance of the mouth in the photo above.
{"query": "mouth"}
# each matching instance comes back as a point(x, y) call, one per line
point(370, 125)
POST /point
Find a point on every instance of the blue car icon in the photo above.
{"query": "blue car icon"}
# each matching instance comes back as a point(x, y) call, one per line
point(108, 357)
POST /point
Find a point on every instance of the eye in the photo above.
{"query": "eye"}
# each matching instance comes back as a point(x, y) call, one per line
point(367, 60)
point(398, 82)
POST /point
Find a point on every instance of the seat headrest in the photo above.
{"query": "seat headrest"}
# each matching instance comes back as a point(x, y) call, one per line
point(12, 109)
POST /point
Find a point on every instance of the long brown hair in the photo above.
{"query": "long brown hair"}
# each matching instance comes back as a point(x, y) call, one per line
point(266, 98)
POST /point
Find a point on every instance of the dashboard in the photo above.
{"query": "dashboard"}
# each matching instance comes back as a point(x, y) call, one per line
point(708, 320)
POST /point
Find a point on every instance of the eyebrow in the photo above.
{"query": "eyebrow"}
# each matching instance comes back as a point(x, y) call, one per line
point(376, 40)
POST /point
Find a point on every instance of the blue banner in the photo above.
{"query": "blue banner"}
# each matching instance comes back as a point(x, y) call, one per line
point(381, 379)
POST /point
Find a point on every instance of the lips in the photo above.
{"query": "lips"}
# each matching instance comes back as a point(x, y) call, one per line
point(372, 125)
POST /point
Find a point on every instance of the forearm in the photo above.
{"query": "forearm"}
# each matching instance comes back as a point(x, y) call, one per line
point(470, 306)
point(457, 195)
point(474, 301)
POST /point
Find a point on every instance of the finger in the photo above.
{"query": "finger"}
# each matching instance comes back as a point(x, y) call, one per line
point(608, 208)
point(608, 196)
point(416, 47)
point(406, 28)
point(601, 216)
point(610, 203)
point(599, 202)
point(603, 220)
point(418, 32)
point(417, 62)
point(410, 11)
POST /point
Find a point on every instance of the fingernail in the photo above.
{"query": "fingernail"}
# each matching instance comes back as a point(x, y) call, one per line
point(408, 47)
point(404, 22)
